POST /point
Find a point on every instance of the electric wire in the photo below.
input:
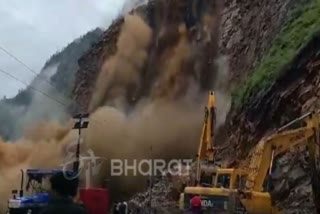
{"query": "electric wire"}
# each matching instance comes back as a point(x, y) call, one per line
point(32, 71)
point(61, 104)
point(35, 89)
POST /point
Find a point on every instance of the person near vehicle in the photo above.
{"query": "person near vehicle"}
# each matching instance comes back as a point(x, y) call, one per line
point(123, 208)
point(64, 191)
point(195, 205)
point(115, 208)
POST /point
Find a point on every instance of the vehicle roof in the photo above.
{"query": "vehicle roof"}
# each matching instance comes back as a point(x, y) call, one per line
point(45, 171)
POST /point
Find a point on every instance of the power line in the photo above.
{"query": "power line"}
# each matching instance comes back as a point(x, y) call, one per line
point(18, 60)
point(26, 84)
point(35, 89)
point(62, 105)
point(30, 69)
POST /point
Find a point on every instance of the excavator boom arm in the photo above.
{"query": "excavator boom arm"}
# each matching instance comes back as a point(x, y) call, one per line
point(274, 145)
point(206, 150)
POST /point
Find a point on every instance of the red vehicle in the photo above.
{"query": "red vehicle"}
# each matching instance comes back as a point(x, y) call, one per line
point(96, 200)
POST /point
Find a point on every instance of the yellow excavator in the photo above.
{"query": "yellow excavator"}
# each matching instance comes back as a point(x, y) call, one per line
point(205, 159)
point(244, 190)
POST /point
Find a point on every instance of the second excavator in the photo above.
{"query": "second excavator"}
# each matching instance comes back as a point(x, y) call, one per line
point(246, 190)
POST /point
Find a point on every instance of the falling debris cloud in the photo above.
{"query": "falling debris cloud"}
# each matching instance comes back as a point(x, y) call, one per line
point(123, 70)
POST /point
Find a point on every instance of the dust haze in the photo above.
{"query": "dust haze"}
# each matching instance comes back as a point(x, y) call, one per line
point(128, 121)
point(168, 119)
point(42, 147)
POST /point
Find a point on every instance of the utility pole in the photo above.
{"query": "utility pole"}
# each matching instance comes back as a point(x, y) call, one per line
point(82, 123)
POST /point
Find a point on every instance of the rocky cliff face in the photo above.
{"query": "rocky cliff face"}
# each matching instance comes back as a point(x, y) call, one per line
point(295, 93)
point(164, 18)
point(90, 64)
point(247, 32)
point(248, 29)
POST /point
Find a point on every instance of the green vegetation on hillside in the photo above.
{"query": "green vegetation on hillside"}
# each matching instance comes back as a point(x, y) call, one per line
point(303, 24)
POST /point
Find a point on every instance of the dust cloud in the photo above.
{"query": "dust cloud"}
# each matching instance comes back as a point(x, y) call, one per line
point(166, 123)
point(44, 146)
point(123, 69)
point(127, 120)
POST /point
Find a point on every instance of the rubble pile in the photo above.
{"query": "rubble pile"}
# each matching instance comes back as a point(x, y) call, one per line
point(293, 173)
point(165, 192)
point(161, 199)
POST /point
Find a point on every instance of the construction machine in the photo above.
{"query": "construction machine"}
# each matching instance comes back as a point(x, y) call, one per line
point(206, 163)
point(22, 203)
point(246, 190)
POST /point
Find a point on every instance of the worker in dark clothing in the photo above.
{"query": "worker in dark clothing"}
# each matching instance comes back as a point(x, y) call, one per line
point(63, 192)
point(115, 208)
point(123, 208)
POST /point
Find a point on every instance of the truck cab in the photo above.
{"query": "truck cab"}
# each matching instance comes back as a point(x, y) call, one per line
point(33, 201)
point(96, 200)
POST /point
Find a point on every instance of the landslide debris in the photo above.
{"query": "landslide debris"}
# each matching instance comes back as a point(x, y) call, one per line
point(248, 30)
point(145, 84)
point(164, 18)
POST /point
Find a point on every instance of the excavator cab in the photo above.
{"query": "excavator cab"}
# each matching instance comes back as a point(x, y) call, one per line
point(216, 198)
point(231, 178)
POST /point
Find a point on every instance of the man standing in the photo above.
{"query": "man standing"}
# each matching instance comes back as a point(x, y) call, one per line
point(123, 208)
point(63, 192)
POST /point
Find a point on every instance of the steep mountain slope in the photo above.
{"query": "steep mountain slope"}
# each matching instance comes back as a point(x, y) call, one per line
point(48, 96)
point(157, 15)
point(273, 50)
point(249, 29)
point(283, 86)
point(294, 93)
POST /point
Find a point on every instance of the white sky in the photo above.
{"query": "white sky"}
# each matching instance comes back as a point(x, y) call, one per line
point(33, 30)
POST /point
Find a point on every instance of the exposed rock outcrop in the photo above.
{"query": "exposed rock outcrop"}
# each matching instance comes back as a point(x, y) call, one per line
point(295, 93)
point(248, 29)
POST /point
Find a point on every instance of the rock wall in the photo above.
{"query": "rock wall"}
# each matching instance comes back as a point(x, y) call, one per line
point(248, 29)
point(295, 93)
point(164, 17)
point(90, 64)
